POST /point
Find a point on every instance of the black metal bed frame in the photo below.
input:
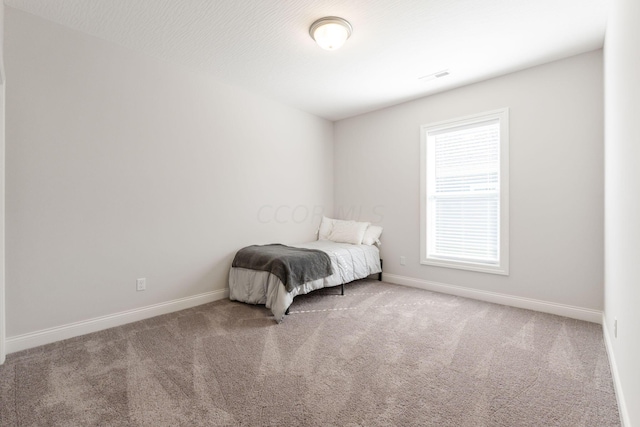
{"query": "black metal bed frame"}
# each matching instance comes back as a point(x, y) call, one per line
point(342, 285)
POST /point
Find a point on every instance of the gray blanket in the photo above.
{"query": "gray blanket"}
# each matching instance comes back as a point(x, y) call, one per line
point(293, 266)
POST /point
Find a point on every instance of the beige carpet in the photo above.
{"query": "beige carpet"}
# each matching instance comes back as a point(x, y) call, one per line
point(380, 355)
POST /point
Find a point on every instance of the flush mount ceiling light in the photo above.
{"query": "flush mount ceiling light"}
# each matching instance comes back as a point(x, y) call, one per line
point(330, 32)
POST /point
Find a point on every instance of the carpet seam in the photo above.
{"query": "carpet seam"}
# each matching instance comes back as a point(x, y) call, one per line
point(93, 387)
point(356, 308)
point(521, 392)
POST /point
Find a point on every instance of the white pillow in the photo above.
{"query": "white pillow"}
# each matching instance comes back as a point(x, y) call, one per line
point(372, 235)
point(326, 225)
point(348, 231)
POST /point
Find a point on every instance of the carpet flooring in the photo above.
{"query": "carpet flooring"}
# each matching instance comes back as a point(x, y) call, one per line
point(382, 355)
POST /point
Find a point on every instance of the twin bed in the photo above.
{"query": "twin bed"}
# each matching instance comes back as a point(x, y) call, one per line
point(351, 252)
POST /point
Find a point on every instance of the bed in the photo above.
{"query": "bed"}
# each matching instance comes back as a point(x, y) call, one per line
point(353, 260)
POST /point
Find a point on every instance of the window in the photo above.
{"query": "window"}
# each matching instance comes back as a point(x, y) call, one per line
point(465, 193)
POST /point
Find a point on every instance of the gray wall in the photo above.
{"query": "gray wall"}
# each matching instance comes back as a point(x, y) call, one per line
point(556, 180)
point(622, 203)
point(2, 174)
point(120, 166)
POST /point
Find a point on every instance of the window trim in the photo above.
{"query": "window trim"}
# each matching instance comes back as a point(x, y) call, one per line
point(502, 267)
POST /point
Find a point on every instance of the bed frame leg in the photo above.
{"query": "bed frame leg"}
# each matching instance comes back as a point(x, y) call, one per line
point(342, 289)
point(286, 313)
point(380, 274)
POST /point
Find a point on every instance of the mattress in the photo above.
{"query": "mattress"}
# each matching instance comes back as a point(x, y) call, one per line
point(349, 262)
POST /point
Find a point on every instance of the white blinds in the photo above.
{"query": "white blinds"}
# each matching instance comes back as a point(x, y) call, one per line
point(463, 193)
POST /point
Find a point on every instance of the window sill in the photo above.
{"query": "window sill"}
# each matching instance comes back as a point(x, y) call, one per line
point(501, 270)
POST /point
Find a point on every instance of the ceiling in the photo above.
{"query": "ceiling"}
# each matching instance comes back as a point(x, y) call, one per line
point(264, 45)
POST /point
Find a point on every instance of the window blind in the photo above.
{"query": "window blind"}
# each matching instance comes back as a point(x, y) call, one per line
point(463, 198)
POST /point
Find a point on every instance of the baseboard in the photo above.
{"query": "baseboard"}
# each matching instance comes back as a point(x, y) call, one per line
point(3, 341)
point(58, 333)
point(622, 407)
point(589, 315)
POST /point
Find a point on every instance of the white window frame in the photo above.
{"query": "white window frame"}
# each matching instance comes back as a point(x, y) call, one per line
point(502, 267)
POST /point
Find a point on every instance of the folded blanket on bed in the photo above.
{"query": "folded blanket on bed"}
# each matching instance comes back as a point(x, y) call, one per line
point(293, 266)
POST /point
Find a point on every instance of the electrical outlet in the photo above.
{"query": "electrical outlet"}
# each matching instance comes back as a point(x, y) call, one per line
point(141, 284)
point(615, 328)
point(403, 260)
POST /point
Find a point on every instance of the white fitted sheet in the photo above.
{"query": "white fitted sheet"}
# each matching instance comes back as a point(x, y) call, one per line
point(349, 263)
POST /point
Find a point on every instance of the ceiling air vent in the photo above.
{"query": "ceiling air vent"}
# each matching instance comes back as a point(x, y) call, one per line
point(434, 76)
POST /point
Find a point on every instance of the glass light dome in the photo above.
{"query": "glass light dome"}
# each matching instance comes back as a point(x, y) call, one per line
point(330, 32)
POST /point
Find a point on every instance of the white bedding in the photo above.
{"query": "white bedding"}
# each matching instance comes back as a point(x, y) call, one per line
point(349, 263)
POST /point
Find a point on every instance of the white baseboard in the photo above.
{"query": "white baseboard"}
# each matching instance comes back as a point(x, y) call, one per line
point(622, 407)
point(573, 312)
point(58, 333)
point(3, 341)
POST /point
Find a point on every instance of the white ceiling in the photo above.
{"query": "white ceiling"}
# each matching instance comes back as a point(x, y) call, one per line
point(264, 45)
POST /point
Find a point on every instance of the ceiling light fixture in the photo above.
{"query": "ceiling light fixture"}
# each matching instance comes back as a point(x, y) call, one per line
point(330, 32)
